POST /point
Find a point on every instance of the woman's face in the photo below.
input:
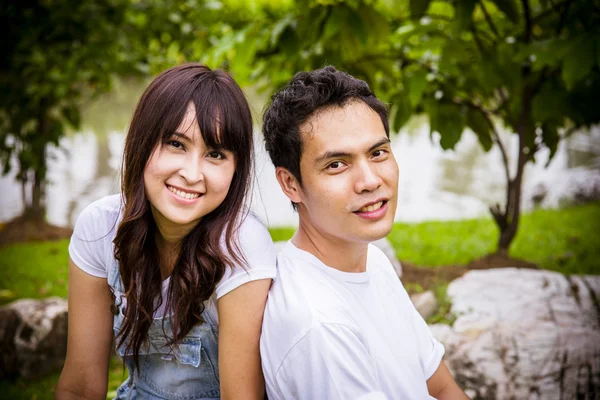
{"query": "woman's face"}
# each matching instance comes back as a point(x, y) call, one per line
point(184, 179)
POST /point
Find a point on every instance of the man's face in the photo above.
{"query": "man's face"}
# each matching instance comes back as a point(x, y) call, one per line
point(349, 175)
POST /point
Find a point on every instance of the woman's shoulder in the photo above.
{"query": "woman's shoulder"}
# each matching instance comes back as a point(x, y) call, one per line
point(99, 218)
point(251, 225)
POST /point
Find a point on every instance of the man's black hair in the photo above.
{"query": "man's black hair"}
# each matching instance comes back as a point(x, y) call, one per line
point(296, 102)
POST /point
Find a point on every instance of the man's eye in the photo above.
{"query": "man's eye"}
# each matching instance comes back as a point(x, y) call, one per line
point(379, 153)
point(175, 143)
point(217, 155)
point(335, 165)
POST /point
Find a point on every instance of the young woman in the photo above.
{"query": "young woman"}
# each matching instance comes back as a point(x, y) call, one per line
point(175, 267)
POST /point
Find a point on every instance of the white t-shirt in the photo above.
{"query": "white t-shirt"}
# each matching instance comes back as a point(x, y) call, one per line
point(329, 334)
point(92, 249)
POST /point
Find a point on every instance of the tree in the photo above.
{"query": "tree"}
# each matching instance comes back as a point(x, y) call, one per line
point(56, 54)
point(532, 66)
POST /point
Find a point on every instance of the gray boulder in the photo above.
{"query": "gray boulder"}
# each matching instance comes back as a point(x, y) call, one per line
point(425, 303)
point(524, 334)
point(33, 337)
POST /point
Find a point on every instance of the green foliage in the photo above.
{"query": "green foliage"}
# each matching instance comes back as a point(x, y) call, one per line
point(529, 66)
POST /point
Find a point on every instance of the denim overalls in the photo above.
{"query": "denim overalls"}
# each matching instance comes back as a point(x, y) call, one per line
point(187, 371)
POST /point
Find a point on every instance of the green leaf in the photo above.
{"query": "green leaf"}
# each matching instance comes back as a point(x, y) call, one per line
point(416, 84)
point(279, 27)
point(403, 111)
point(448, 121)
point(464, 13)
point(479, 125)
point(418, 8)
point(72, 116)
point(357, 27)
point(551, 103)
point(334, 22)
point(509, 8)
point(550, 137)
point(578, 62)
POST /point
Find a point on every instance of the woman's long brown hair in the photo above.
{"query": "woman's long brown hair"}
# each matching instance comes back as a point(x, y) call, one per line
point(225, 121)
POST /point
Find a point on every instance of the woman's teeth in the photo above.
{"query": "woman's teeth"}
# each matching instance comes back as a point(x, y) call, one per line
point(372, 207)
point(182, 194)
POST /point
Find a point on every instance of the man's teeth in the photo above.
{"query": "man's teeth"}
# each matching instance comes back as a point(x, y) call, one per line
point(372, 207)
point(183, 195)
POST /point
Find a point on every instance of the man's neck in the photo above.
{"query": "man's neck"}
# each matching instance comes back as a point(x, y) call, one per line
point(332, 251)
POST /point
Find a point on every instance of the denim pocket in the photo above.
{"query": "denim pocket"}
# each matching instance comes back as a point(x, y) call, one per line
point(182, 371)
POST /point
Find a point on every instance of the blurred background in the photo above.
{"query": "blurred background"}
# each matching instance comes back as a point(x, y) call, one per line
point(493, 125)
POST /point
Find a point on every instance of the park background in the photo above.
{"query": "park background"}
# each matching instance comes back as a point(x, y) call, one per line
point(492, 109)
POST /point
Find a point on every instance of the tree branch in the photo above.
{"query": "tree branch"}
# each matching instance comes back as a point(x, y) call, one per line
point(527, 16)
point(488, 19)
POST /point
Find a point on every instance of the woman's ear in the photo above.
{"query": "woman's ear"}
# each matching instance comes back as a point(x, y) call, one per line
point(289, 184)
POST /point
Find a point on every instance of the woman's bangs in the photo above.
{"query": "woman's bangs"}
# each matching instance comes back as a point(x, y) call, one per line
point(221, 118)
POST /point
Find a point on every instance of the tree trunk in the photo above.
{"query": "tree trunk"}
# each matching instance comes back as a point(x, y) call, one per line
point(36, 210)
point(508, 221)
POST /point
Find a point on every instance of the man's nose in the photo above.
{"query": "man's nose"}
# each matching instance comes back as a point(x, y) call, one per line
point(368, 178)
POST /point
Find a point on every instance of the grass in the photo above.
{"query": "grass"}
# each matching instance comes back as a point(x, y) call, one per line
point(43, 389)
point(33, 270)
point(565, 240)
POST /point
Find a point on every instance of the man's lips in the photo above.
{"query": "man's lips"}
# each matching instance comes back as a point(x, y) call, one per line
point(372, 205)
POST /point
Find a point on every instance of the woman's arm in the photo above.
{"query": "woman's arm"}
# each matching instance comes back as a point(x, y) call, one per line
point(85, 373)
point(240, 321)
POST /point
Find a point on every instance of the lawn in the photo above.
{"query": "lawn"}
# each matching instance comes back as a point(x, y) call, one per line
point(563, 240)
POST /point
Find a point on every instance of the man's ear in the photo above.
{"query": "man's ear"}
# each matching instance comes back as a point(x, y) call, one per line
point(289, 184)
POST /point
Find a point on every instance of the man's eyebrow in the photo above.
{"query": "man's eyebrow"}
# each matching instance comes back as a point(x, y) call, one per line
point(331, 154)
point(342, 154)
point(379, 144)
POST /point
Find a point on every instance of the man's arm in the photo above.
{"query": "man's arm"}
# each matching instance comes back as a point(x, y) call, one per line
point(442, 385)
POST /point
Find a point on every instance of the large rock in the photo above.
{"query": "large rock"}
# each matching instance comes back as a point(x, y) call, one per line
point(383, 244)
point(33, 337)
point(389, 251)
point(425, 303)
point(524, 334)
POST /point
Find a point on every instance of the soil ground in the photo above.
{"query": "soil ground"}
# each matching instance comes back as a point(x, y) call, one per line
point(428, 277)
point(24, 230)
point(21, 230)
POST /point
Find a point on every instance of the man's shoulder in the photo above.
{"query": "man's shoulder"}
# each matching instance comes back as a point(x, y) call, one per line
point(302, 294)
point(301, 297)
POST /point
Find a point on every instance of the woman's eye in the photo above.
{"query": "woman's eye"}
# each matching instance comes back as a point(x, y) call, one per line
point(217, 155)
point(175, 143)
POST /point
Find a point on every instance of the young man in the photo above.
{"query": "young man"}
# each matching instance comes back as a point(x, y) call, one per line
point(338, 323)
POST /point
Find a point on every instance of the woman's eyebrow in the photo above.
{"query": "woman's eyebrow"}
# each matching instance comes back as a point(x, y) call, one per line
point(181, 136)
